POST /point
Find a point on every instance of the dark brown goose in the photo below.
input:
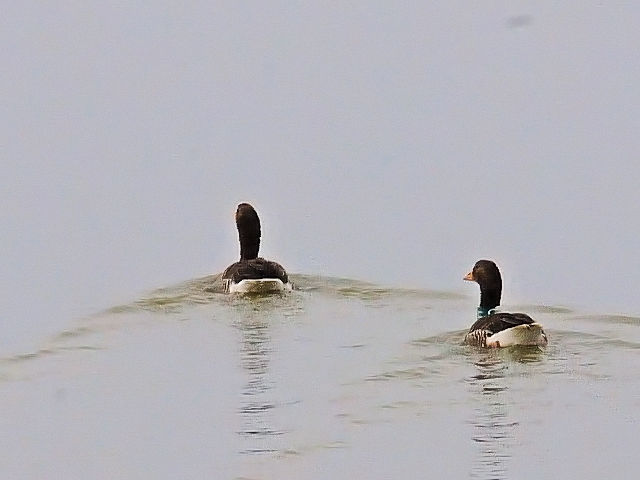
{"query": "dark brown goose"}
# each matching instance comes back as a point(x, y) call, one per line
point(499, 329)
point(253, 274)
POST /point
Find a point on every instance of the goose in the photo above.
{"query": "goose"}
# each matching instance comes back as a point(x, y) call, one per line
point(499, 329)
point(253, 274)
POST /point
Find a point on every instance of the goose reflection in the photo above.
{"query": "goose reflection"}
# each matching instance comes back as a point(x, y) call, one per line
point(494, 422)
point(493, 425)
point(257, 402)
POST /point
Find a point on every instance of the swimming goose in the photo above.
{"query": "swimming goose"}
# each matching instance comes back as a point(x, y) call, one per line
point(499, 329)
point(253, 274)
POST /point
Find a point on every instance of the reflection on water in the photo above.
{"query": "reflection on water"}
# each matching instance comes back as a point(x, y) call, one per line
point(494, 423)
point(257, 403)
point(493, 426)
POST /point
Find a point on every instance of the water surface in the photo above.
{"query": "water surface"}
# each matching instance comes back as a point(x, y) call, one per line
point(339, 379)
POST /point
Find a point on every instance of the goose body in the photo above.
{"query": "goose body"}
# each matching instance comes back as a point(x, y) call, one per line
point(505, 330)
point(499, 329)
point(259, 286)
point(253, 274)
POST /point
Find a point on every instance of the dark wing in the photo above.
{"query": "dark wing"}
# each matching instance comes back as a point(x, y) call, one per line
point(496, 322)
point(254, 269)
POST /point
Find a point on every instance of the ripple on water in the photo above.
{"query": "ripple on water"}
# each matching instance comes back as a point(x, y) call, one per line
point(495, 398)
point(615, 319)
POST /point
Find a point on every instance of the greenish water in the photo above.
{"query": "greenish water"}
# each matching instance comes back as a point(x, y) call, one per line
point(339, 379)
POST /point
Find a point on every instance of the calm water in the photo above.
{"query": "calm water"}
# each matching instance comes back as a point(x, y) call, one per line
point(339, 379)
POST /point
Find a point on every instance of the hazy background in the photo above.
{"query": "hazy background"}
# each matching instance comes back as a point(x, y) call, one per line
point(395, 143)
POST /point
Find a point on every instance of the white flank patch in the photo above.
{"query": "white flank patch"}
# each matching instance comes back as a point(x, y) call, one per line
point(528, 334)
point(261, 285)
